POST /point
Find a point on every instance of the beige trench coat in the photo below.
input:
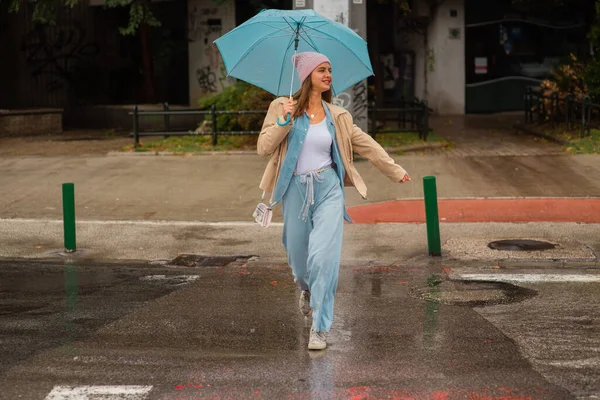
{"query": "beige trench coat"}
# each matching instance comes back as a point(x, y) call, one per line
point(273, 141)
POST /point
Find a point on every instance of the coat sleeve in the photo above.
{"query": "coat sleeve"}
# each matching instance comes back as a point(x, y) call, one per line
point(367, 147)
point(271, 134)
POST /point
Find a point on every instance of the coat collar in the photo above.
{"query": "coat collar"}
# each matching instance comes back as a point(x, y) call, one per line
point(333, 109)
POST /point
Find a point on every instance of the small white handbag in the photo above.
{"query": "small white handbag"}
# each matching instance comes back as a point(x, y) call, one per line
point(263, 213)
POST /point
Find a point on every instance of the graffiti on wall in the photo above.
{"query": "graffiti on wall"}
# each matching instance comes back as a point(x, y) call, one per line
point(343, 100)
point(354, 100)
point(359, 96)
point(206, 78)
point(54, 52)
point(205, 26)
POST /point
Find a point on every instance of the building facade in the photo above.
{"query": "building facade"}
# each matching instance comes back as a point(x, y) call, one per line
point(463, 56)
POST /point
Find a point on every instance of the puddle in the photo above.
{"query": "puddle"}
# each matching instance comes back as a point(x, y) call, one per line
point(473, 294)
point(196, 260)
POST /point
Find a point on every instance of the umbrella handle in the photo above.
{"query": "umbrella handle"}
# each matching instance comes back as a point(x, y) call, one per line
point(287, 120)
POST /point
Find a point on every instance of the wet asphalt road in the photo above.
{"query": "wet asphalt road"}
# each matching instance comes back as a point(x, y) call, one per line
point(235, 332)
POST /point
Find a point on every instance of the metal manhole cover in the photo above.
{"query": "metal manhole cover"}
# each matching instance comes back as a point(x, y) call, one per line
point(195, 260)
point(521, 245)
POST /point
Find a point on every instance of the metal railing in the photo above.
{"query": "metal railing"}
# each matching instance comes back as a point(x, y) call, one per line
point(411, 116)
point(556, 109)
point(414, 116)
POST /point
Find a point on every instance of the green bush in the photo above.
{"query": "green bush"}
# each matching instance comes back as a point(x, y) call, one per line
point(591, 78)
point(237, 97)
point(567, 79)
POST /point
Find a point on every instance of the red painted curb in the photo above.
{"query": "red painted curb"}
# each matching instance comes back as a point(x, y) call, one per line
point(482, 210)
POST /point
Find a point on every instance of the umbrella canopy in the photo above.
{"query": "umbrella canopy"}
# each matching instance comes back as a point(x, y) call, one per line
point(260, 50)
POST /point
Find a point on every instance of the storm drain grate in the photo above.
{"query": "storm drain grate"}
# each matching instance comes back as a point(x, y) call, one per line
point(521, 245)
point(195, 260)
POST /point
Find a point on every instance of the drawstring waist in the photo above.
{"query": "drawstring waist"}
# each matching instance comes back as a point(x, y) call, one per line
point(316, 170)
point(308, 178)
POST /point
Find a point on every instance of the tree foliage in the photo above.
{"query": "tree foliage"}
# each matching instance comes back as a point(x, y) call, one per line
point(46, 11)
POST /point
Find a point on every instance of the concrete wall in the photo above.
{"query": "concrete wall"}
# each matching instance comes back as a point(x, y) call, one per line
point(207, 20)
point(336, 10)
point(31, 122)
point(445, 60)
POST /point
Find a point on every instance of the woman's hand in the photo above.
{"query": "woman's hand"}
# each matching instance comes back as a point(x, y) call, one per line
point(405, 179)
point(288, 108)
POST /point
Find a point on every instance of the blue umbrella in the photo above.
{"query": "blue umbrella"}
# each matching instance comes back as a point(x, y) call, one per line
point(260, 50)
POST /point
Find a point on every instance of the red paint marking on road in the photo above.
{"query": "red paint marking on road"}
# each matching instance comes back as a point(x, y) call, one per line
point(440, 396)
point(179, 387)
point(482, 210)
point(358, 392)
point(446, 270)
point(355, 389)
point(274, 283)
point(499, 398)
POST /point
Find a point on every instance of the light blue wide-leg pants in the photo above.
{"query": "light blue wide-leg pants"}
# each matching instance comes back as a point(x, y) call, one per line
point(312, 237)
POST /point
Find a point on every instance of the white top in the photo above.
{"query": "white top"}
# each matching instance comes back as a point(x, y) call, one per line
point(316, 150)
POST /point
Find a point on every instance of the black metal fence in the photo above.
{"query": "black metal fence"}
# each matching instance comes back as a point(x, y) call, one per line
point(556, 109)
point(410, 117)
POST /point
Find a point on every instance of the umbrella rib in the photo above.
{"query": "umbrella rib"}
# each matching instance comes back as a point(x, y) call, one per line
point(283, 64)
point(321, 37)
point(271, 36)
point(300, 25)
point(314, 27)
point(309, 40)
point(279, 29)
point(301, 22)
point(262, 39)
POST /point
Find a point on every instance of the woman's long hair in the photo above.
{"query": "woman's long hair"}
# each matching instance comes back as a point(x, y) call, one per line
point(303, 95)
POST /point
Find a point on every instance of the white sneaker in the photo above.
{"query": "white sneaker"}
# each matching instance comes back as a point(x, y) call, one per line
point(304, 302)
point(318, 340)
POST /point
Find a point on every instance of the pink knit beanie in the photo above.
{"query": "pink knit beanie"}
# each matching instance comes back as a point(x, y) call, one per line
point(306, 63)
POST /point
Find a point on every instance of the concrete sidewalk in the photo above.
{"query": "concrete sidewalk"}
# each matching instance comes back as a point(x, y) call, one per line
point(578, 245)
point(225, 188)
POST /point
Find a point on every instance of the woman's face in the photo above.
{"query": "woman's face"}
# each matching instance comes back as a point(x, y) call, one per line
point(321, 77)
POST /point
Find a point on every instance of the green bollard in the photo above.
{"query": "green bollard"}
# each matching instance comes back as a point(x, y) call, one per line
point(431, 216)
point(68, 192)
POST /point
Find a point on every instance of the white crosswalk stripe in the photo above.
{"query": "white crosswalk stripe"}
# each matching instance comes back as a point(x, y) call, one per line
point(94, 392)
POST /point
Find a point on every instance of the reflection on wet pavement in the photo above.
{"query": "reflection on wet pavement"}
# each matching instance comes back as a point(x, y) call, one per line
point(236, 332)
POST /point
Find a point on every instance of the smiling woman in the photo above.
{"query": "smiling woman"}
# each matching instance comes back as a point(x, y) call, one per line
point(311, 161)
point(320, 80)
